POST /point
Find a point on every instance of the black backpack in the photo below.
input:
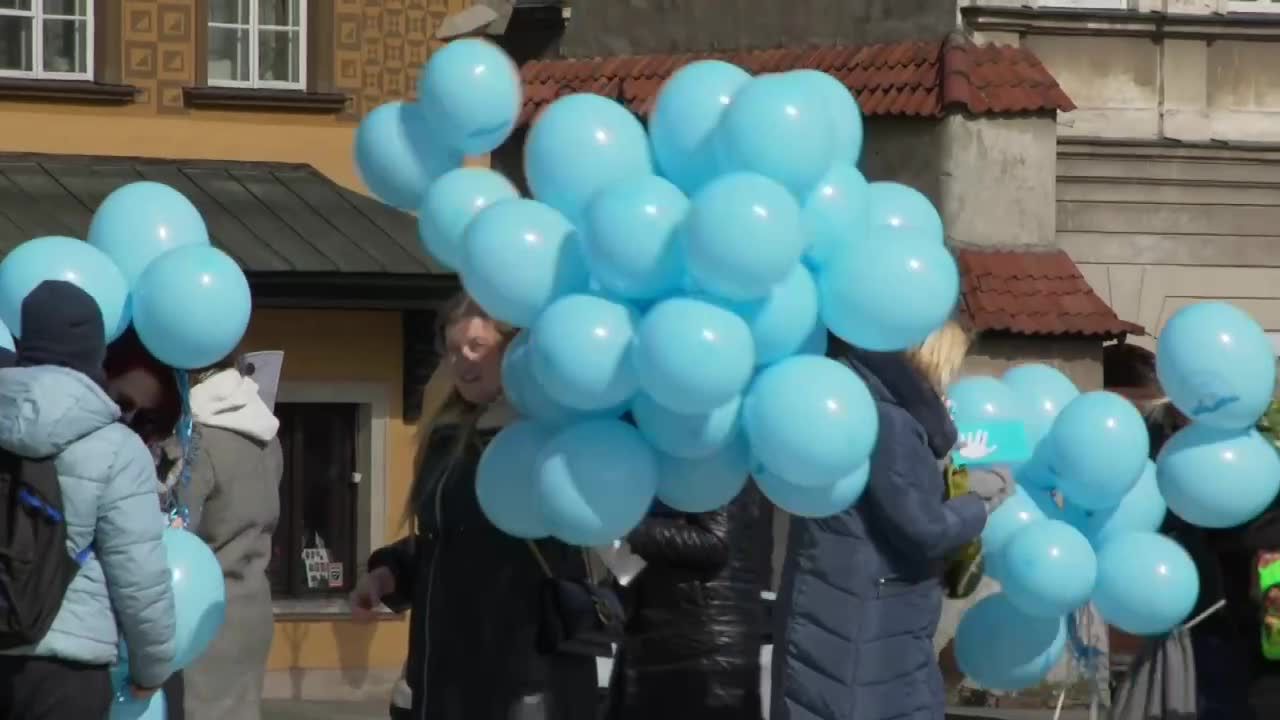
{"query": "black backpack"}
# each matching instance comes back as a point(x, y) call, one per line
point(35, 569)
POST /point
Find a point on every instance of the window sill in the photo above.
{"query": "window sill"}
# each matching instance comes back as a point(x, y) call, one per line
point(321, 609)
point(225, 98)
point(76, 91)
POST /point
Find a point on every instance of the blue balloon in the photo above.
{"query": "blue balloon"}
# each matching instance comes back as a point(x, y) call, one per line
point(1147, 584)
point(1042, 391)
point(704, 484)
point(472, 91)
point(631, 237)
point(810, 420)
point(596, 482)
point(1098, 447)
point(580, 145)
point(842, 108)
point(1048, 569)
point(530, 398)
point(744, 236)
point(810, 501)
point(1014, 514)
point(692, 356)
point(778, 126)
point(192, 306)
point(896, 208)
point(835, 214)
point(1217, 365)
point(124, 706)
point(582, 352)
point(999, 647)
point(685, 115)
point(1218, 478)
point(398, 155)
point(889, 295)
point(199, 595)
point(505, 483)
point(981, 398)
point(1142, 510)
point(141, 221)
point(686, 436)
point(518, 256)
point(1048, 501)
point(785, 319)
point(63, 258)
point(452, 202)
point(816, 343)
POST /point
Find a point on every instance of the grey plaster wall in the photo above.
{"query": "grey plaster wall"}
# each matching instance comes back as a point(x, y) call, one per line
point(624, 27)
point(1078, 359)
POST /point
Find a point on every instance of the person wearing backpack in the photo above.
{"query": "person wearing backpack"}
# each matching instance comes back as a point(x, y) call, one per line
point(91, 528)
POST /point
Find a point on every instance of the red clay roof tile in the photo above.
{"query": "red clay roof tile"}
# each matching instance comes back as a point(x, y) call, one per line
point(921, 79)
point(1033, 292)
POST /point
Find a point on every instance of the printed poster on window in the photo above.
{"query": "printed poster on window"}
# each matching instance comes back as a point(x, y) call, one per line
point(316, 561)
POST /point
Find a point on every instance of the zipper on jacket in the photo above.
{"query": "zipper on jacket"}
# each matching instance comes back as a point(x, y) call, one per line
point(431, 581)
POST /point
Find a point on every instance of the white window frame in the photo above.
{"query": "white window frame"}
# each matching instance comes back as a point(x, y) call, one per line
point(1086, 4)
point(255, 28)
point(1264, 6)
point(373, 428)
point(38, 16)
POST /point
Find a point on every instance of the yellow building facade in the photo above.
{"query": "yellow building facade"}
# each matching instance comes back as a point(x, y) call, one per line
point(156, 80)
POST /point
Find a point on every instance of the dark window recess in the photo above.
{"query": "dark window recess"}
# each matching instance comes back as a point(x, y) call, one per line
point(420, 359)
point(314, 548)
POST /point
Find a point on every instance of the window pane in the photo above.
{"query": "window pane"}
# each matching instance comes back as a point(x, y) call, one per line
point(74, 8)
point(15, 4)
point(228, 54)
point(65, 48)
point(282, 13)
point(16, 43)
point(235, 12)
point(278, 56)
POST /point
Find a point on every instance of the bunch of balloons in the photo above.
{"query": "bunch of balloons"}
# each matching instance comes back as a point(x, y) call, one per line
point(148, 261)
point(200, 603)
point(1082, 525)
point(685, 275)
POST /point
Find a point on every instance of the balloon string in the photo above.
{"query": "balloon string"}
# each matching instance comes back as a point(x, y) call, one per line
point(186, 439)
point(1204, 615)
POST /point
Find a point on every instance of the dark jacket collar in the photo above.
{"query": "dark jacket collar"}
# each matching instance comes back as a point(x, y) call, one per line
point(891, 379)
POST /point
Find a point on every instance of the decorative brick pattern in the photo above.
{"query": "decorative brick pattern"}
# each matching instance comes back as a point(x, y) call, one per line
point(159, 50)
point(381, 46)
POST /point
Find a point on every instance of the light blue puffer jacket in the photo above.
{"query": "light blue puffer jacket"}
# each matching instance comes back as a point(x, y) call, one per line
point(109, 498)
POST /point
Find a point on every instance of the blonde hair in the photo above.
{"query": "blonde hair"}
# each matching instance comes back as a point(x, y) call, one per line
point(441, 402)
point(940, 356)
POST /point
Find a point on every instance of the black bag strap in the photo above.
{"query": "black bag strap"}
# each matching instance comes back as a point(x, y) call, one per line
point(546, 568)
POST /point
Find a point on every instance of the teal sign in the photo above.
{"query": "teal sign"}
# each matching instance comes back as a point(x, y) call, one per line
point(992, 442)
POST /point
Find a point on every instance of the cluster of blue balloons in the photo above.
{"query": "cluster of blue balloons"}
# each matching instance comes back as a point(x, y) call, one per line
point(1218, 368)
point(148, 261)
point(200, 602)
point(685, 275)
point(1089, 453)
point(1081, 526)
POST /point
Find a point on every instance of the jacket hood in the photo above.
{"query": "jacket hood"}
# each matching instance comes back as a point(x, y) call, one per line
point(44, 409)
point(891, 379)
point(230, 401)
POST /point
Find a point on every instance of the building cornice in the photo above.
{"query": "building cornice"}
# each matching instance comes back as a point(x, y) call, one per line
point(1121, 23)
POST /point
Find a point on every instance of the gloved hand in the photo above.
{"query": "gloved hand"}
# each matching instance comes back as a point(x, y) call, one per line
point(993, 484)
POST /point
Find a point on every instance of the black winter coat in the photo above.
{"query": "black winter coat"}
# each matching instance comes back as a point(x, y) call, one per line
point(474, 594)
point(692, 647)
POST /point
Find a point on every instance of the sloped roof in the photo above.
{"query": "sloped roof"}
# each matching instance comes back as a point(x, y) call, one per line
point(271, 217)
point(915, 79)
point(1033, 292)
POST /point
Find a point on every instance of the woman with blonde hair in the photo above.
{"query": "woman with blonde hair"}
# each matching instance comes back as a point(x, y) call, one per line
point(862, 591)
point(473, 590)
